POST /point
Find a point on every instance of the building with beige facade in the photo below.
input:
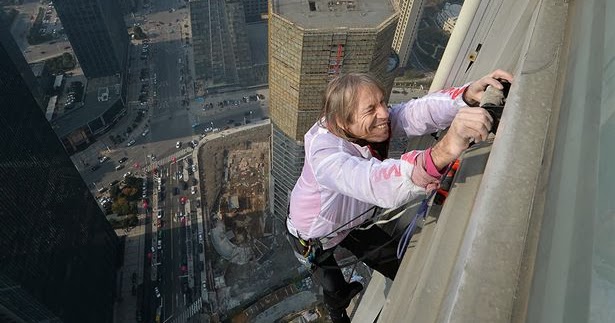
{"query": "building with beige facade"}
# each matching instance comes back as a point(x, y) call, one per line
point(410, 12)
point(311, 42)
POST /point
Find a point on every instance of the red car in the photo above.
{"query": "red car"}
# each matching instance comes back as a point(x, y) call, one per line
point(183, 200)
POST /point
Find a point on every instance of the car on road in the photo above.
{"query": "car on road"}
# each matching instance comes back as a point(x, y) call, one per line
point(159, 215)
point(156, 291)
point(175, 190)
point(159, 244)
point(145, 132)
point(178, 144)
point(122, 160)
point(183, 200)
point(103, 159)
point(198, 203)
point(193, 190)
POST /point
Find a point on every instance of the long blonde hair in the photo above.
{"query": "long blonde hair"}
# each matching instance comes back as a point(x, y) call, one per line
point(341, 99)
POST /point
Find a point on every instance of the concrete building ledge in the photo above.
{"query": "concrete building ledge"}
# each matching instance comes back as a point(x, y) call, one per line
point(474, 264)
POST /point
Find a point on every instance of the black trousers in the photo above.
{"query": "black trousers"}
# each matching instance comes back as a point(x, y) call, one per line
point(374, 247)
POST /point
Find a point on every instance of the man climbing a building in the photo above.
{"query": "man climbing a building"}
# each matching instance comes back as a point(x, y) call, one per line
point(347, 172)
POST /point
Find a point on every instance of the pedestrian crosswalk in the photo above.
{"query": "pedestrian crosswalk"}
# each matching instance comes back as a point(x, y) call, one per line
point(165, 160)
point(189, 312)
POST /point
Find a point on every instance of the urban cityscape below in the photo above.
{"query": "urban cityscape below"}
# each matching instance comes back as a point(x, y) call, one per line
point(150, 149)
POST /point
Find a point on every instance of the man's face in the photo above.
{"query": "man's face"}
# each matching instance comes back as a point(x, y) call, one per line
point(371, 119)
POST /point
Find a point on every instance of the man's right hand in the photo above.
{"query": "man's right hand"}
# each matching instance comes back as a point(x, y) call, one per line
point(469, 125)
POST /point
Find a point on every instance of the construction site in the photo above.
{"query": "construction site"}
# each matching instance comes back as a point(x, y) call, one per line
point(250, 266)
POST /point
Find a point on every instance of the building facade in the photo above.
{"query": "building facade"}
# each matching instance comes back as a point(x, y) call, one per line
point(254, 10)
point(309, 44)
point(58, 253)
point(222, 56)
point(97, 33)
point(410, 12)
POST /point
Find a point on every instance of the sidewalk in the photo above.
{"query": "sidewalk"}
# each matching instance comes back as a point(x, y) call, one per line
point(127, 303)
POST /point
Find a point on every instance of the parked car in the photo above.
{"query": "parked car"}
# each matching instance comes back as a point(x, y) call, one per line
point(156, 291)
point(123, 160)
point(95, 167)
point(178, 144)
point(103, 159)
point(114, 182)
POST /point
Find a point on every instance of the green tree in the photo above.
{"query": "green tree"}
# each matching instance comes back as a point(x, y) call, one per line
point(129, 192)
point(121, 206)
point(114, 192)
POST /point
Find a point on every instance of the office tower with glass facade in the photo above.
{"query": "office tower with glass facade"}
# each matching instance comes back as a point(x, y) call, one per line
point(311, 42)
point(58, 253)
point(254, 9)
point(97, 32)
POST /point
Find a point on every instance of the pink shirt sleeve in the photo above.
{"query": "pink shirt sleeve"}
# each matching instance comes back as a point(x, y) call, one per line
point(430, 167)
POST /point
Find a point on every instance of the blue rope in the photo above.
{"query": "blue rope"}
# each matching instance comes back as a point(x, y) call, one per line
point(421, 213)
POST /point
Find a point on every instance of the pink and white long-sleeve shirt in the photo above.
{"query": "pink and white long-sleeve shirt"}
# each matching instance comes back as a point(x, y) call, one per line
point(341, 179)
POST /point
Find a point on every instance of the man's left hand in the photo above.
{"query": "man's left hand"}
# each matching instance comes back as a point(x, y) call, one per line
point(475, 90)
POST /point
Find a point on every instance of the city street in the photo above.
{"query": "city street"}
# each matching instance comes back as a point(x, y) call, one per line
point(171, 114)
point(161, 94)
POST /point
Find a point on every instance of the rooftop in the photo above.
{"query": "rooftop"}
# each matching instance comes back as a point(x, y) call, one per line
point(323, 14)
point(94, 105)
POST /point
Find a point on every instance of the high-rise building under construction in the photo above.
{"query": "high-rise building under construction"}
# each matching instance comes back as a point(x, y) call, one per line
point(310, 42)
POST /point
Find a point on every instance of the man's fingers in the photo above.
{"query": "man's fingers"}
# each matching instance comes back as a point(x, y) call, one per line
point(473, 123)
point(477, 130)
point(500, 74)
point(474, 113)
point(493, 82)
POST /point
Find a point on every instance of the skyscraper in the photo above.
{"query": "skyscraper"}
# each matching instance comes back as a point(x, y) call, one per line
point(309, 44)
point(254, 9)
point(97, 32)
point(58, 253)
point(410, 12)
point(222, 55)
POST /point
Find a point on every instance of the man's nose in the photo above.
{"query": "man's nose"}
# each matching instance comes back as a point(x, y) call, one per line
point(382, 111)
